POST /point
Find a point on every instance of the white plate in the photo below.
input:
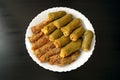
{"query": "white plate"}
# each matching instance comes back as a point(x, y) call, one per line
point(84, 55)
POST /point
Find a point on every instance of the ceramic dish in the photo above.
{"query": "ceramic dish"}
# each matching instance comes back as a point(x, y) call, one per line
point(84, 56)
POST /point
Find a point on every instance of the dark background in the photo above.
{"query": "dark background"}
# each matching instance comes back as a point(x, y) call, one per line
point(16, 64)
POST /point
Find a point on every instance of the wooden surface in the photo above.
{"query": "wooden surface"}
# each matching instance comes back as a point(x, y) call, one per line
point(16, 64)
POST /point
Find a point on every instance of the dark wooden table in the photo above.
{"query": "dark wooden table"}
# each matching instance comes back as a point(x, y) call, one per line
point(16, 64)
